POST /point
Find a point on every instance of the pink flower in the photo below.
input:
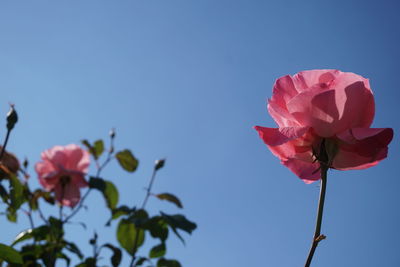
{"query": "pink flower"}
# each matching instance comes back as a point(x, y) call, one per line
point(327, 107)
point(63, 171)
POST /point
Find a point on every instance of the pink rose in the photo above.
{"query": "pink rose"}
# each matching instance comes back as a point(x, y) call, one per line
point(63, 171)
point(327, 106)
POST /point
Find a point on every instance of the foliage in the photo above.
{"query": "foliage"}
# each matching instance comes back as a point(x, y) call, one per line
point(46, 245)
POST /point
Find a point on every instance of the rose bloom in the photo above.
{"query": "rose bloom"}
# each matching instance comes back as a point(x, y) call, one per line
point(62, 171)
point(317, 107)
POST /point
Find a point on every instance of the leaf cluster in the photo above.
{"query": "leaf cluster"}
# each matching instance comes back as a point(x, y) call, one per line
point(45, 245)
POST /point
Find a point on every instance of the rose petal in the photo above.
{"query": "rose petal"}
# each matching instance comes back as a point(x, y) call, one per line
point(49, 182)
point(278, 136)
point(345, 160)
point(362, 148)
point(289, 142)
point(306, 171)
point(47, 174)
point(355, 104)
point(55, 155)
point(316, 108)
point(78, 159)
point(281, 115)
point(334, 110)
point(43, 168)
point(309, 78)
point(79, 180)
point(283, 90)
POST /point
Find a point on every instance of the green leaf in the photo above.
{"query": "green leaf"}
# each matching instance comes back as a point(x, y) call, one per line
point(121, 210)
point(171, 198)
point(179, 221)
point(89, 262)
point(61, 255)
point(39, 233)
point(56, 230)
point(3, 193)
point(73, 248)
point(118, 212)
point(141, 260)
point(158, 251)
point(10, 255)
point(56, 223)
point(86, 144)
point(139, 217)
point(128, 235)
point(11, 214)
point(16, 192)
point(89, 147)
point(24, 235)
point(36, 195)
point(127, 161)
point(117, 255)
point(111, 195)
point(168, 263)
point(108, 190)
point(158, 228)
point(30, 254)
point(98, 147)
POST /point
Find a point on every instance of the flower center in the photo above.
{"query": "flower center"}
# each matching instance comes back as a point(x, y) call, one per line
point(327, 151)
point(64, 180)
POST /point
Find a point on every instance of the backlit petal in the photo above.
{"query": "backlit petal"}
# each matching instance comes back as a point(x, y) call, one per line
point(361, 148)
point(307, 171)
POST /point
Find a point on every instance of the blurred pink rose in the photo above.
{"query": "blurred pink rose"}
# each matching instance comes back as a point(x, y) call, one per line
point(329, 105)
point(63, 171)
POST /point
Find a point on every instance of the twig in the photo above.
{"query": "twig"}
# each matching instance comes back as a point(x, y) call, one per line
point(42, 216)
point(29, 214)
point(3, 149)
point(148, 190)
point(148, 194)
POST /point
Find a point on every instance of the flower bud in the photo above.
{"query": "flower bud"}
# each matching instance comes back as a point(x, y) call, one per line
point(159, 164)
point(112, 133)
point(12, 118)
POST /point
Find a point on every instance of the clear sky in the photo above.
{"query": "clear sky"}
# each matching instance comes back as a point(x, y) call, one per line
point(187, 80)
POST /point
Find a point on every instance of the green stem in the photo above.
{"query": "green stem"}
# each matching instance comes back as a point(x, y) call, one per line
point(148, 193)
point(149, 188)
point(317, 235)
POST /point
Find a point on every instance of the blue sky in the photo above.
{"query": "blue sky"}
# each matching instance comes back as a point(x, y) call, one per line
point(187, 80)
